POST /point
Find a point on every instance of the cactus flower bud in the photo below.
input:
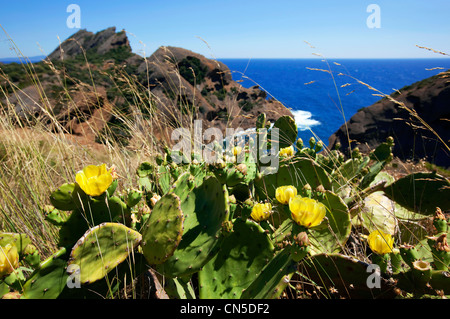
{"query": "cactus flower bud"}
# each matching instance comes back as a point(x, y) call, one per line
point(9, 259)
point(337, 146)
point(284, 193)
point(261, 211)
point(302, 239)
point(94, 180)
point(307, 212)
point(319, 146)
point(439, 221)
point(380, 242)
point(390, 140)
point(312, 142)
point(300, 248)
point(441, 251)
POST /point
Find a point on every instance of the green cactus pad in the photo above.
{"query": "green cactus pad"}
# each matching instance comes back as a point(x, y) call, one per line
point(21, 241)
point(144, 169)
point(287, 131)
point(205, 210)
point(101, 249)
point(133, 197)
point(112, 188)
point(374, 170)
point(421, 192)
point(347, 275)
point(163, 230)
point(56, 217)
point(382, 152)
point(418, 285)
point(233, 176)
point(183, 186)
point(144, 173)
point(164, 179)
point(242, 256)
point(62, 198)
point(267, 284)
point(343, 176)
point(49, 279)
point(94, 212)
point(298, 173)
point(332, 234)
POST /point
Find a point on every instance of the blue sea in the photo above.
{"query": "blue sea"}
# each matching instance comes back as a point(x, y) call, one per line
point(323, 95)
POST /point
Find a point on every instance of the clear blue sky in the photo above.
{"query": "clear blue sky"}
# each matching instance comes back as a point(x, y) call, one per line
point(239, 28)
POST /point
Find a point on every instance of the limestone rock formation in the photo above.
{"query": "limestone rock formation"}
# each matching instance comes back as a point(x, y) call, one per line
point(101, 42)
point(91, 80)
point(420, 126)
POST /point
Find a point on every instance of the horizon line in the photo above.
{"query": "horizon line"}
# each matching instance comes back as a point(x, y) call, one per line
point(274, 58)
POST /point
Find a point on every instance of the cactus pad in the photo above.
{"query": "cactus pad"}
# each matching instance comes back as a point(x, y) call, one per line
point(287, 130)
point(205, 210)
point(102, 248)
point(49, 279)
point(421, 192)
point(267, 284)
point(21, 241)
point(347, 275)
point(379, 213)
point(62, 198)
point(332, 234)
point(242, 256)
point(298, 173)
point(163, 230)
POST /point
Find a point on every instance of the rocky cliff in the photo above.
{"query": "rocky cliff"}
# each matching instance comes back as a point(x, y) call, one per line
point(91, 82)
point(417, 117)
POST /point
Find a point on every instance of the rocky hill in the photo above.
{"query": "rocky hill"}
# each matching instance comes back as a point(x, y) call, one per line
point(92, 82)
point(417, 117)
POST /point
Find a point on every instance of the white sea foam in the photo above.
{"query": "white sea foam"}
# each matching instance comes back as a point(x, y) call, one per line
point(303, 120)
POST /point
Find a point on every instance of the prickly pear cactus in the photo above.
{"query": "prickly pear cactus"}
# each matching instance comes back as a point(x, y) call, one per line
point(333, 233)
point(287, 131)
point(21, 241)
point(344, 276)
point(378, 213)
point(204, 209)
point(420, 192)
point(163, 230)
point(62, 198)
point(145, 173)
point(242, 256)
point(49, 279)
point(267, 285)
point(344, 175)
point(93, 211)
point(101, 249)
point(298, 172)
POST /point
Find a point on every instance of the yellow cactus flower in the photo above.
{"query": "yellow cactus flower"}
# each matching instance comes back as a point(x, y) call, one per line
point(307, 212)
point(380, 242)
point(283, 194)
point(9, 259)
point(261, 211)
point(94, 180)
point(236, 150)
point(287, 151)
